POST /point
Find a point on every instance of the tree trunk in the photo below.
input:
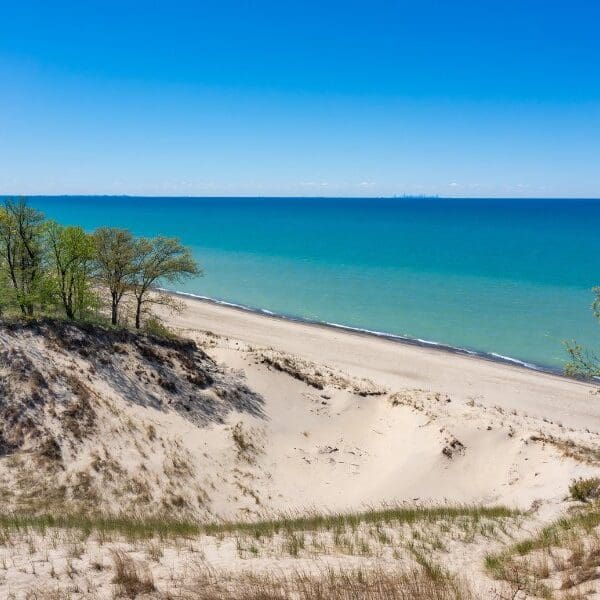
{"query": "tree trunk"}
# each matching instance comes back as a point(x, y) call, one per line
point(68, 302)
point(138, 313)
point(114, 307)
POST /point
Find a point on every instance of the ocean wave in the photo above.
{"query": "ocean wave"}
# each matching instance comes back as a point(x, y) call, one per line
point(517, 361)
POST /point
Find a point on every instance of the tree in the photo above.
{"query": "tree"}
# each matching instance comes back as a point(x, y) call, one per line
point(160, 259)
point(72, 253)
point(8, 280)
point(22, 252)
point(6, 295)
point(115, 252)
point(584, 363)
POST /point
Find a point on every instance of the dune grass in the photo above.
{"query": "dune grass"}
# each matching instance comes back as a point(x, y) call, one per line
point(363, 584)
point(555, 535)
point(333, 521)
point(420, 577)
point(129, 527)
point(569, 547)
point(144, 528)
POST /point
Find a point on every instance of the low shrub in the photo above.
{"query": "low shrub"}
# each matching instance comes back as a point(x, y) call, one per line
point(155, 326)
point(132, 579)
point(585, 490)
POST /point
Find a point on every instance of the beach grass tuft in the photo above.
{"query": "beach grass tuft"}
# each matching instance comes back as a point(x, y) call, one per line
point(570, 547)
point(144, 528)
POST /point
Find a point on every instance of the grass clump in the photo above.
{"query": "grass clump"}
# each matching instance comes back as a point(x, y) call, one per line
point(132, 578)
point(571, 545)
point(330, 584)
point(130, 528)
point(154, 326)
point(339, 521)
point(145, 528)
point(557, 534)
point(585, 490)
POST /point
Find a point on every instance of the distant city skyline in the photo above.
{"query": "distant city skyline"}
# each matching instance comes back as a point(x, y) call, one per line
point(498, 99)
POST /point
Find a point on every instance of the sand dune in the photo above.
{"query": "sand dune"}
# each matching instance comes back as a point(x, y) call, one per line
point(260, 418)
point(397, 444)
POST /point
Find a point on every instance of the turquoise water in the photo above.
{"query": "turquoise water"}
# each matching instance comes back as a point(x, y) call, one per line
point(510, 277)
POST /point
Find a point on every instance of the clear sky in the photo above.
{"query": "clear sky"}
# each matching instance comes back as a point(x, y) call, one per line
point(306, 97)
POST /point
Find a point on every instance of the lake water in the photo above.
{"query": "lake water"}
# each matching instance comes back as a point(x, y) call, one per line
point(509, 277)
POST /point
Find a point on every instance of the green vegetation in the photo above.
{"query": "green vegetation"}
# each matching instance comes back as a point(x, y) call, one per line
point(160, 259)
point(47, 268)
point(569, 547)
point(130, 528)
point(72, 263)
point(134, 528)
point(115, 256)
point(361, 534)
point(22, 255)
point(584, 363)
point(585, 489)
point(393, 514)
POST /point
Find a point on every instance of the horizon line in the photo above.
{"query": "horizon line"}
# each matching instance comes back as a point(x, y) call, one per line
point(299, 197)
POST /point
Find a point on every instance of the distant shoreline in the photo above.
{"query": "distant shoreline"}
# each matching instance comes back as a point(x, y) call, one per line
point(296, 197)
point(400, 339)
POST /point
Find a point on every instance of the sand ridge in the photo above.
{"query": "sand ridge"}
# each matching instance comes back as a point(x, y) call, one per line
point(259, 418)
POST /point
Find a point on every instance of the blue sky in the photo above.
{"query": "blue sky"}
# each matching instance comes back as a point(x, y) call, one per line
point(300, 98)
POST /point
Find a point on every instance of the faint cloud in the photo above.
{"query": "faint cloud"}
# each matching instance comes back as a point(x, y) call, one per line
point(314, 183)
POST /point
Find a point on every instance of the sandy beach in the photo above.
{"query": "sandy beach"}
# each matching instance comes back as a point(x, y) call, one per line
point(266, 418)
point(399, 365)
point(424, 424)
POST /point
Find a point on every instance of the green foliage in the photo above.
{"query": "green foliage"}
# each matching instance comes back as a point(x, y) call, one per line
point(72, 268)
point(7, 297)
point(159, 260)
point(154, 326)
point(46, 267)
point(596, 302)
point(584, 363)
point(22, 256)
point(585, 490)
point(115, 251)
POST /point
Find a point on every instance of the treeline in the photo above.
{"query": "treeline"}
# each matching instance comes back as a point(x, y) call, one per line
point(46, 267)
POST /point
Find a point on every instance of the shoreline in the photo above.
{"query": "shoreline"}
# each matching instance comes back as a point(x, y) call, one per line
point(392, 364)
point(396, 338)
